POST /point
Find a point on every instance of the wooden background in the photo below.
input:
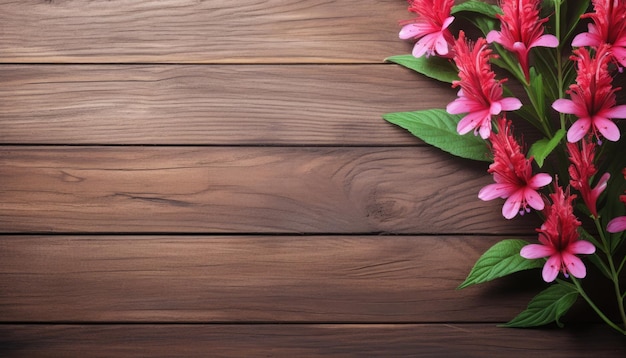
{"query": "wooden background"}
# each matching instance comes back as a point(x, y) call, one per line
point(213, 178)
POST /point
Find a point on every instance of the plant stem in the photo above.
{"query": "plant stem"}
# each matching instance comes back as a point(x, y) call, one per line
point(559, 59)
point(538, 110)
point(621, 265)
point(614, 272)
point(595, 308)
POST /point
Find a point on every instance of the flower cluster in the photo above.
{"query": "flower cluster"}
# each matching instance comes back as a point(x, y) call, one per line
point(430, 28)
point(480, 95)
point(559, 240)
point(608, 28)
point(569, 98)
point(512, 172)
point(521, 30)
point(592, 97)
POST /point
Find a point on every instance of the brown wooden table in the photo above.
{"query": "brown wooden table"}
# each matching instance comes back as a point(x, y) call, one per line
point(213, 178)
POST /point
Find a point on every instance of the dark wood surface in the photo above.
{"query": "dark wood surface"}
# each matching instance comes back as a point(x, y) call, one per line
point(214, 178)
point(306, 340)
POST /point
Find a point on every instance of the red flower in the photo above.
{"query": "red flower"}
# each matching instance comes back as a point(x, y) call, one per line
point(592, 98)
point(582, 170)
point(521, 29)
point(608, 27)
point(512, 173)
point(619, 223)
point(430, 28)
point(559, 240)
point(480, 94)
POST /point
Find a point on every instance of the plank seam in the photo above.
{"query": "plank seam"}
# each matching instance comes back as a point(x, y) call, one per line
point(281, 234)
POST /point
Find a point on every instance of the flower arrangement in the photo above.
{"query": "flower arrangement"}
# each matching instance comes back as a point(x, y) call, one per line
point(562, 57)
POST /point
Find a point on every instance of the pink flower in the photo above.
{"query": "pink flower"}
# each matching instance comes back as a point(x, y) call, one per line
point(619, 223)
point(592, 98)
point(521, 29)
point(582, 170)
point(480, 94)
point(430, 28)
point(608, 27)
point(559, 240)
point(512, 173)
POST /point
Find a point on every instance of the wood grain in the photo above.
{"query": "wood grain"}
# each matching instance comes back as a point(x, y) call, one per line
point(207, 178)
point(241, 189)
point(191, 31)
point(217, 105)
point(414, 340)
point(252, 279)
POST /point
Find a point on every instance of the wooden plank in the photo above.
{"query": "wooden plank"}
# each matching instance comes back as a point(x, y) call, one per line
point(252, 279)
point(190, 31)
point(217, 105)
point(413, 340)
point(245, 190)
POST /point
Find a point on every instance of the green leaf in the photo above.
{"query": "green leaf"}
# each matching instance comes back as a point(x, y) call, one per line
point(438, 128)
point(545, 63)
point(609, 205)
point(508, 61)
point(573, 9)
point(537, 93)
point(543, 147)
point(433, 67)
point(477, 7)
point(537, 96)
point(597, 261)
point(481, 15)
point(500, 260)
point(548, 306)
point(483, 23)
point(595, 258)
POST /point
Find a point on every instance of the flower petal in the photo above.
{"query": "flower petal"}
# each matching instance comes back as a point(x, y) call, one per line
point(619, 53)
point(471, 121)
point(494, 36)
point(413, 30)
point(578, 130)
point(545, 41)
point(463, 105)
point(493, 191)
point(512, 205)
point(536, 251)
point(447, 22)
point(520, 47)
point(510, 104)
point(489, 192)
point(551, 268)
point(590, 38)
point(618, 224)
point(581, 247)
point(441, 45)
point(574, 265)
point(565, 106)
point(607, 127)
point(533, 199)
point(602, 184)
point(495, 108)
point(615, 112)
point(485, 129)
point(422, 47)
point(539, 180)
